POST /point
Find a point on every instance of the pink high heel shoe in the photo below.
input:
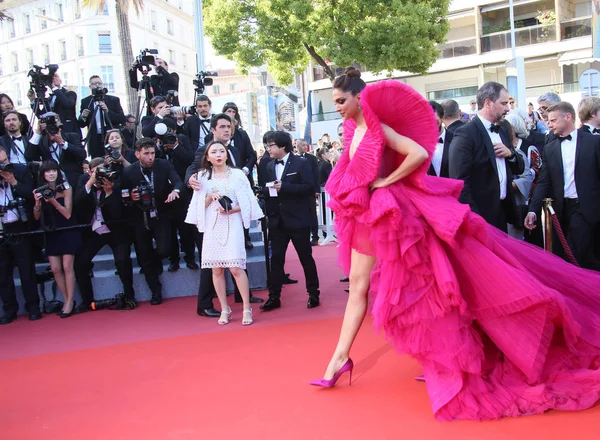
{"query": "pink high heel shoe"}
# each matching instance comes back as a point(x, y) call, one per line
point(328, 383)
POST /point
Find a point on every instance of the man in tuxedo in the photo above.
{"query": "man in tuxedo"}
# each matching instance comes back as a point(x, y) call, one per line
point(16, 185)
point(451, 118)
point(63, 148)
point(152, 215)
point(99, 116)
point(197, 126)
point(571, 177)
point(160, 109)
point(439, 161)
point(128, 131)
point(290, 217)
point(13, 142)
point(481, 154)
point(544, 102)
point(589, 115)
point(302, 147)
point(99, 204)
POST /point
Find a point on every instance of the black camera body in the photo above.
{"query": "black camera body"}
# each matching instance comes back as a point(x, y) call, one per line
point(7, 167)
point(202, 81)
point(41, 80)
point(18, 204)
point(145, 59)
point(52, 126)
point(99, 93)
point(47, 192)
point(113, 154)
point(146, 201)
point(106, 173)
point(169, 138)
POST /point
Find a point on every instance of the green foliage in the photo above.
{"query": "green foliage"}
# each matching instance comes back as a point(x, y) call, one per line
point(383, 35)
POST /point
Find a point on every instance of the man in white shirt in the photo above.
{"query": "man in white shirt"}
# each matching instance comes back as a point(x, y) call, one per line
point(13, 141)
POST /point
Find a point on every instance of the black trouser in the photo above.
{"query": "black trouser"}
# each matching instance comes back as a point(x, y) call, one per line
point(314, 228)
point(92, 243)
point(149, 259)
point(580, 236)
point(16, 251)
point(186, 235)
point(300, 238)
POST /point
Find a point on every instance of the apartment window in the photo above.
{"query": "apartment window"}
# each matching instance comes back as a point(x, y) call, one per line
point(77, 9)
point(65, 78)
point(59, 12)
point(452, 93)
point(1, 70)
point(106, 72)
point(27, 24)
point(82, 78)
point(18, 92)
point(105, 12)
point(155, 46)
point(15, 62)
point(46, 53)
point(62, 44)
point(30, 57)
point(184, 60)
point(104, 43)
point(216, 90)
point(80, 51)
point(171, 57)
point(232, 87)
point(11, 27)
point(44, 22)
point(153, 20)
point(169, 26)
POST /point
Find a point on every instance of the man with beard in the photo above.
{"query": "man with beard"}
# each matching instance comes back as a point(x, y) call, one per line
point(197, 127)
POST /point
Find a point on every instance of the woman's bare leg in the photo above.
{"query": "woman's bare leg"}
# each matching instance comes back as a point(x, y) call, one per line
point(356, 308)
point(59, 277)
point(69, 274)
point(218, 276)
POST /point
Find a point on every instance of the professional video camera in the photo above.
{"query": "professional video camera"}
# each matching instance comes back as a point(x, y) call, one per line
point(166, 137)
point(7, 167)
point(202, 81)
point(113, 154)
point(106, 173)
point(49, 193)
point(144, 60)
point(40, 80)
point(99, 93)
point(52, 122)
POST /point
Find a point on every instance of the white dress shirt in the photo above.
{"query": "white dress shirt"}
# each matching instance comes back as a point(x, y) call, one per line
point(592, 128)
point(6, 196)
point(568, 148)
point(436, 160)
point(500, 161)
point(17, 155)
point(279, 167)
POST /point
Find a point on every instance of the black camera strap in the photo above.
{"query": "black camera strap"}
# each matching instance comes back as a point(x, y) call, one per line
point(18, 152)
point(150, 181)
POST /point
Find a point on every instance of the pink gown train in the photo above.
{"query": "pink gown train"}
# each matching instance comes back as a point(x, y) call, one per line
point(501, 327)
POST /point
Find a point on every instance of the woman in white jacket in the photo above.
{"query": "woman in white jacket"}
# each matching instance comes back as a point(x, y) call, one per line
point(223, 207)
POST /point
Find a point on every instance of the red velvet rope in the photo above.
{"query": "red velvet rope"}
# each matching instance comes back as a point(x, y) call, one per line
point(563, 240)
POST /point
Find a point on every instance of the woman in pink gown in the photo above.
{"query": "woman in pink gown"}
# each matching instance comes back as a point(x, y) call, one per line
point(501, 328)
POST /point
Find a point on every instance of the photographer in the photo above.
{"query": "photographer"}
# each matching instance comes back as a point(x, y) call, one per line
point(197, 126)
point(128, 131)
point(160, 83)
point(178, 151)
point(54, 208)
point(160, 109)
point(98, 201)
point(99, 113)
point(6, 104)
point(16, 186)
point(13, 141)
point(152, 186)
point(117, 154)
point(50, 143)
point(63, 102)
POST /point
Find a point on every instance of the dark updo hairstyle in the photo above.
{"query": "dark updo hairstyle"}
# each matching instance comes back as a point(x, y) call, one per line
point(350, 81)
point(206, 165)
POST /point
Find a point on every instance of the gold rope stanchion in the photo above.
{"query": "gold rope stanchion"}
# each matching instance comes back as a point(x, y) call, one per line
point(547, 224)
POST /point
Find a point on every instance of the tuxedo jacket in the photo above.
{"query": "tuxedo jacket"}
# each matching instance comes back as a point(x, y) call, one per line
point(314, 167)
point(325, 169)
point(261, 169)
point(472, 159)
point(586, 129)
point(112, 206)
point(180, 157)
point(166, 180)
point(9, 145)
point(191, 129)
point(292, 206)
point(246, 156)
point(587, 177)
point(445, 155)
point(116, 117)
point(454, 126)
point(70, 159)
point(65, 105)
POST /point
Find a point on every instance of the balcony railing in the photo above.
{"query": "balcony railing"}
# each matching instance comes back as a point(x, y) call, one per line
point(523, 37)
point(576, 27)
point(458, 48)
point(105, 48)
point(556, 88)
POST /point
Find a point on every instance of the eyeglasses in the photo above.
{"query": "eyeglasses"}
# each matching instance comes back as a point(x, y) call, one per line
point(271, 145)
point(543, 108)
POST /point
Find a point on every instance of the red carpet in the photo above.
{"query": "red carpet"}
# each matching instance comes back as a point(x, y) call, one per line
point(163, 373)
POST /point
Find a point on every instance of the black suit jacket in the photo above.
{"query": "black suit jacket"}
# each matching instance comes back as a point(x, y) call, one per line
point(24, 189)
point(166, 180)
point(130, 137)
point(454, 126)
point(161, 84)
point(291, 208)
point(472, 159)
point(191, 129)
point(70, 159)
point(587, 177)
point(314, 167)
point(585, 129)
point(445, 155)
point(246, 156)
point(180, 157)
point(325, 169)
point(116, 117)
point(65, 105)
point(112, 206)
point(7, 142)
point(261, 170)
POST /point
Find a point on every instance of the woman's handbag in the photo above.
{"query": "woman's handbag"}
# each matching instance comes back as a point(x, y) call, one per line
point(226, 203)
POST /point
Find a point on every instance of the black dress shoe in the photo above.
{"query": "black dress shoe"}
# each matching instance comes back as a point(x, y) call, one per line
point(345, 280)
point(35, 316)
point(156, 300)
point(249, 244)
point(82, 308)
point(313, 302)
point(314, 242)
point(271, 304)
point(7, 318)
point(173, 267)
point(71, 313)
point(191, 264)
point(256, 299)
point(288, 280)
point(209, 313)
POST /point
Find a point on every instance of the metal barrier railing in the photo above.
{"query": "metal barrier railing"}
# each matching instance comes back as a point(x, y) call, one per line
point(325, 216)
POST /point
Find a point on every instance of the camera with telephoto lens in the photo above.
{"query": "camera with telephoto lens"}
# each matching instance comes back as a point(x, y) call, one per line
point(187, 109)
point(105, 173)
point(7, 167)
point(113, 154)
point(47, 192)
point(143, 61)
point(146, 200)
point(52, 123)
point(166, 136)
point(99, 93)
point(118, 302)
point(202, 81)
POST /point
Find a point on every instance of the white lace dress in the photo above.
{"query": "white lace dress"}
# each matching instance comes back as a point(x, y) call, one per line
point(223, 244)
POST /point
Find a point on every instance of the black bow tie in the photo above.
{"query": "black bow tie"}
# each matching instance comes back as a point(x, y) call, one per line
point(495, 128)
point(596, 130)
point(205, 120)
point(15, 138)
point(278, 161)
point(565, 138)
point(440, 141)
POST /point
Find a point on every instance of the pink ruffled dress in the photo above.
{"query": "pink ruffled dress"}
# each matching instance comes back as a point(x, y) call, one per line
point(501, 327)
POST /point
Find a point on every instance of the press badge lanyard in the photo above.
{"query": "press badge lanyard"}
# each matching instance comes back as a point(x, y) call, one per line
point(153, 212)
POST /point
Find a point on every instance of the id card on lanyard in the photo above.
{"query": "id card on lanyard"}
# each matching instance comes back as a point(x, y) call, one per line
point(152, 212)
